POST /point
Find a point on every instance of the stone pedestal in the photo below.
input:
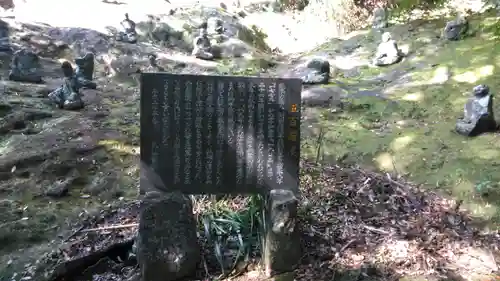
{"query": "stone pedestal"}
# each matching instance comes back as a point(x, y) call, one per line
point(167, 244)
point(282, 249)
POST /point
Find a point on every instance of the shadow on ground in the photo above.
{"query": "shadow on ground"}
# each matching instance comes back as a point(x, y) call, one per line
point(361, 225)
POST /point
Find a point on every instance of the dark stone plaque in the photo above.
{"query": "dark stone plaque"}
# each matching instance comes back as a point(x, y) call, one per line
point(221, 134)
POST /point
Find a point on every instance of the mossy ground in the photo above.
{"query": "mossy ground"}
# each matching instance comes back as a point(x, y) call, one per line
point(412, 133)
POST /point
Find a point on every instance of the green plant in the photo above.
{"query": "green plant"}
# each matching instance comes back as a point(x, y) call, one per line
point(225, 229)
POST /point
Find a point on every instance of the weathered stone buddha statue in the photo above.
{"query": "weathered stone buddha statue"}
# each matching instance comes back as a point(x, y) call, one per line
point(129, 33)
point(456, 29)
point(388, 52)
point(202, 46)
point(68, 96)
point(478, 113)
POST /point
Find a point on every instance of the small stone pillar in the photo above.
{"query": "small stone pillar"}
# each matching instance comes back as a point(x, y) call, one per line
point(282, 250)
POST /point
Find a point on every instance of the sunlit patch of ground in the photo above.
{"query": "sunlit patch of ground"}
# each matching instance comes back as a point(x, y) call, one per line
point(414, 136)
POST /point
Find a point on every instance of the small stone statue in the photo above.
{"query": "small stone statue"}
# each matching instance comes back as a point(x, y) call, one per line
point(152, 60)
point(478, 113)
point(215, 26)
point(85, 71)
point(216, 30)
point(388, 52)
point(379, 18)
point(68, 96)
point(456, 29)
point(25, 67)
point(202, 46)
point(129, 34)
point(153, 64)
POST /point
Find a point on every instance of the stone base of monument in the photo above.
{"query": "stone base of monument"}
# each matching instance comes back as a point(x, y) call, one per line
point(167, 243)
point(282, 249)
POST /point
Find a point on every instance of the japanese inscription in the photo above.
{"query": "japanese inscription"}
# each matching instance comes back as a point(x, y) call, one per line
point(221, 134)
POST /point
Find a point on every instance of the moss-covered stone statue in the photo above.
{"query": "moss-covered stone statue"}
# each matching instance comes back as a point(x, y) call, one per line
point(25, 67)
point(129, 33)
point(456, 29)
point(202, 48)
point(68, 96)
point(478, 113)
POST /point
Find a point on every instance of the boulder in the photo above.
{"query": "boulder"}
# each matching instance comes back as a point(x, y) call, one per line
point(167, 244)
point(312, 71)
point(231, 48)
point(7, 4)
point(81, 40)
point(323, 96)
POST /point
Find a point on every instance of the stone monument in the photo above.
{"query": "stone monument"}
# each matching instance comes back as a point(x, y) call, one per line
point(227, 135)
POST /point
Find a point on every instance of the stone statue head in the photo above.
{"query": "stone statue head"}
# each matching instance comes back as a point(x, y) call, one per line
point(152, 59)
point(386, 37)
point(126, 16)
point(67, 69)
point(480, 91)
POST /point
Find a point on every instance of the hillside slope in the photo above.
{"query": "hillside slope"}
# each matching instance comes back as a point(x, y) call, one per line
point(61, 168)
